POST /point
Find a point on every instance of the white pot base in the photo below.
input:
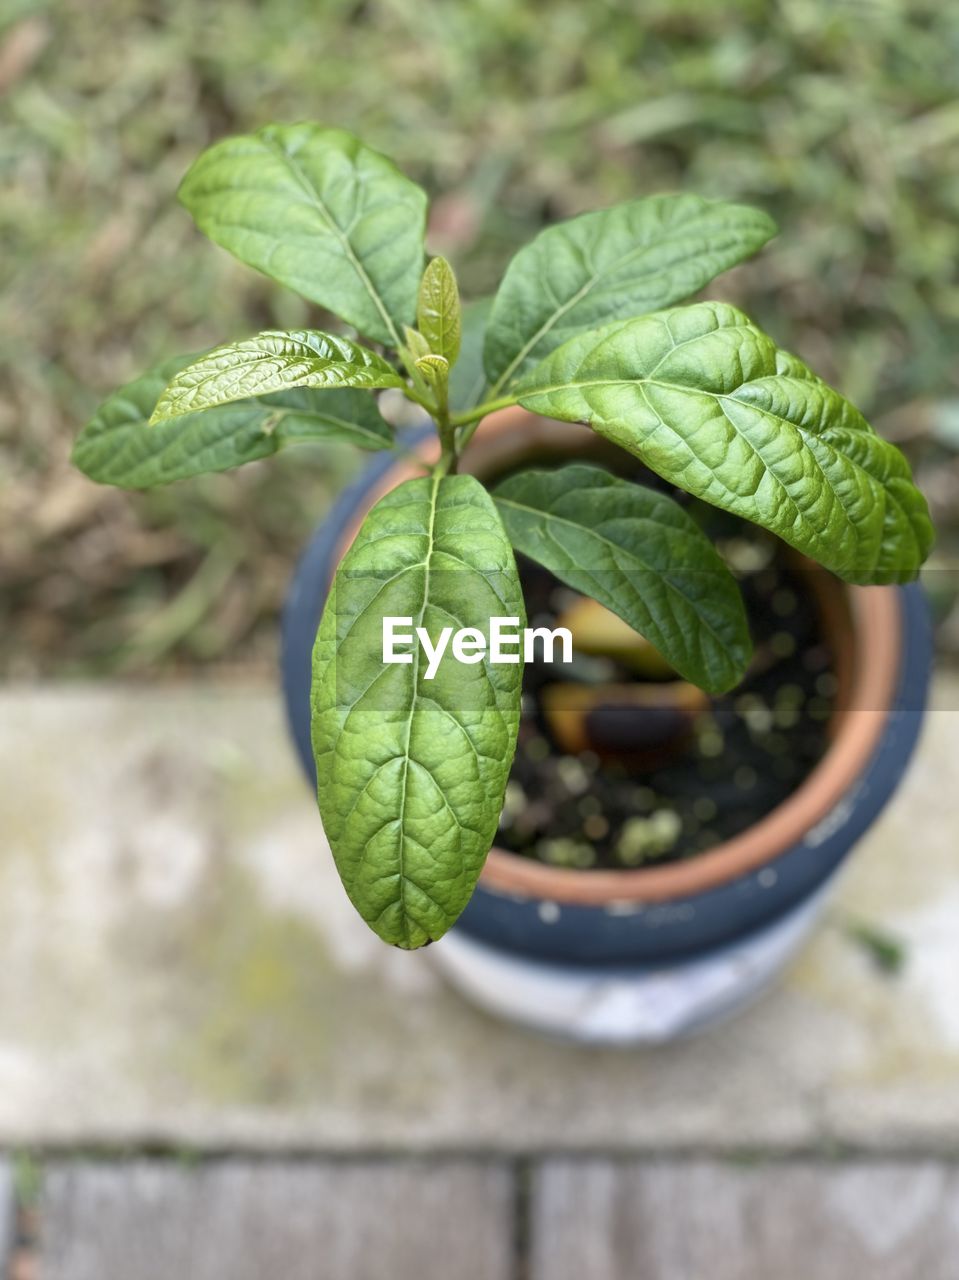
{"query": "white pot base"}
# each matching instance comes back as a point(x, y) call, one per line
point(621, 1006)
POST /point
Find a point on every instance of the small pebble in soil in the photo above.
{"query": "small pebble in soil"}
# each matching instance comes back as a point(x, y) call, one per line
point(572, 774)
point(745, 777)
point(782, 644)
point(595, 827)
point(783, 602)
point(642, 838)
point(643, 798)
point(827, 685)
point(514, 800)
point(757, 715)
point(816, 658)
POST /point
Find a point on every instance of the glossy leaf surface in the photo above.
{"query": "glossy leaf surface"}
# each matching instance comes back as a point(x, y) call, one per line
point(639, 554)
point(271, 362)
point(438, 310)
point(411, 772)
point(321, 213)
point(707, 401)
point(118, 446)
point(614, 264)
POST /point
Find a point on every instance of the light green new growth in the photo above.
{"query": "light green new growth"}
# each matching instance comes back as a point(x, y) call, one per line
point(584, 328)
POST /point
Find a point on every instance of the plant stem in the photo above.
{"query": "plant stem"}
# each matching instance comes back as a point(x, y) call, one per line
point(412, 394)
point(447, 432)
point(473, 415)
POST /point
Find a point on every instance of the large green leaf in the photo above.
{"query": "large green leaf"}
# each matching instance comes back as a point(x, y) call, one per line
point(612, 265)
point(705, 399)
point(305, 416)
point(317, 210)
point(272, 361)
point(467, 377)
point(118, 447)
point(411, 772)
point(639, 554)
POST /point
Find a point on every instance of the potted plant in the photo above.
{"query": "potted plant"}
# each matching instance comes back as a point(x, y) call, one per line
point(601, 402)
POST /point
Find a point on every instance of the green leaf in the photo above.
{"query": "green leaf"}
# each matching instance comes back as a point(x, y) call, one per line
point(344, 415)
point(638, 553)
point(118, 447)
point(438, 310)
point(467, 376)
point(411, 772)
point(707, 401)
point(436, 371)
point(273, 361)
point(317, 210)
point(612, 265)
point(415, 343)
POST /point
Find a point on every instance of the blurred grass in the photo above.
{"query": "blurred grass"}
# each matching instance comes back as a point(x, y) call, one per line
point(841, 118)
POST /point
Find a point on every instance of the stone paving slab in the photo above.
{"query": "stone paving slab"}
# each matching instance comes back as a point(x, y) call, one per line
point(332, 1221)
point(624, 1220)
point(7, 1216)
point(179, 965)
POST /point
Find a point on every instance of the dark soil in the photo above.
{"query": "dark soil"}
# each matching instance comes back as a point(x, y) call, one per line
point(739, 758)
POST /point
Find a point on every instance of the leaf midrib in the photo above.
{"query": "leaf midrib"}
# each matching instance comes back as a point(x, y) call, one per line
point(561, 311)
point(329, 419)
point(520, 506)
point(309, 191)
point(807, 436)
point(434, 495)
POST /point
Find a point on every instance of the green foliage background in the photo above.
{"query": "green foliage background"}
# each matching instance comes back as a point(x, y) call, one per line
point(840, 117)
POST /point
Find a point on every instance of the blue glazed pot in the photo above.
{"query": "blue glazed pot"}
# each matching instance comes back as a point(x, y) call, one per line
point(620, 933)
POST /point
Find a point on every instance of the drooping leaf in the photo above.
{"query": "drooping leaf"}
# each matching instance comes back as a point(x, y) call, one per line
point(467, 376)
point(272, 361)
point(438, 310)
point(639, 554)
point(707, 401)
point(118, 447)
point(303, 416)
point(320, 212)
point(614, 264)
point(411, 772)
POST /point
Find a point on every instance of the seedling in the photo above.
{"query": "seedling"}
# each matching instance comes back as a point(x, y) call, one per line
point(412, 765)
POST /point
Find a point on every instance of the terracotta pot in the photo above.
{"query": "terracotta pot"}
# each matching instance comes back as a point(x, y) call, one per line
point(666, 913)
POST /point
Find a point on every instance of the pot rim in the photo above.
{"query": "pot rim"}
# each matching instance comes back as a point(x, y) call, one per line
point(865, 702)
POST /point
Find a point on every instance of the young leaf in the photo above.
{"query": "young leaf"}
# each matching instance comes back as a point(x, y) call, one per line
point(411, 772)
point(118, 447)
point(639, 554)
point(707, 401)
point(320, 212)
point(438, 310)
point(415, 343)
point(436, 371)
point(612, 265)
point(272, 361)
point(467, 377)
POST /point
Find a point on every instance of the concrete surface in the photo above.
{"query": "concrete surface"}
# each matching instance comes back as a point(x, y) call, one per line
point(663, 1221)
point(7, 1216)
point(179, 966)
point(245, 1221)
